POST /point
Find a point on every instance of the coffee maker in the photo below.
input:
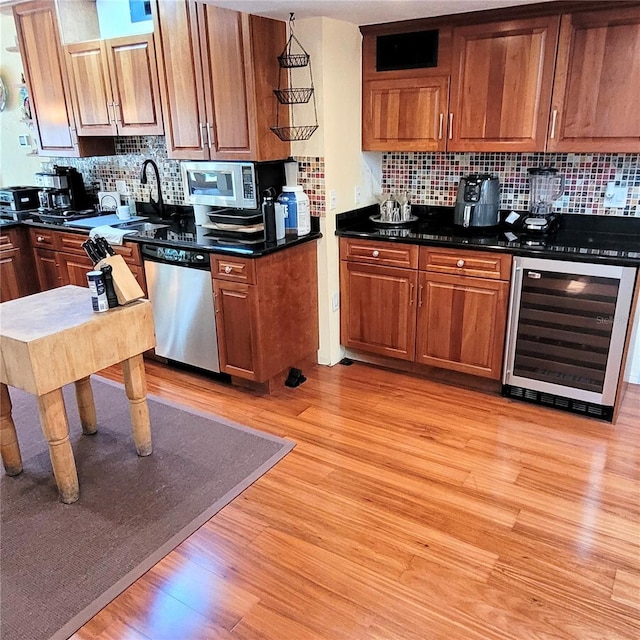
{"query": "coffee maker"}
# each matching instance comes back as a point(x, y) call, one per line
point(477, 201)
point(545, 186)
point(62, 189)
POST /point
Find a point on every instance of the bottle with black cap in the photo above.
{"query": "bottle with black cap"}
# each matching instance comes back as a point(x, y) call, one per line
point(269, 214)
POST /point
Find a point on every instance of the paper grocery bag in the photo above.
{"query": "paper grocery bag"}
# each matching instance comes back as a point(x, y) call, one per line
point(124, 282)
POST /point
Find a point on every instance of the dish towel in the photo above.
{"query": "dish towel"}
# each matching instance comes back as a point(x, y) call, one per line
point(110, 234)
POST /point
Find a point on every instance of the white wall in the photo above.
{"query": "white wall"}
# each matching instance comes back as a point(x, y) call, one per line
point(16, 167)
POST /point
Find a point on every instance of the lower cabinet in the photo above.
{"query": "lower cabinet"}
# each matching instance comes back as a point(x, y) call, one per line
point(266, 311)
point(61, 260)
point(17, 274)
point(442, 307)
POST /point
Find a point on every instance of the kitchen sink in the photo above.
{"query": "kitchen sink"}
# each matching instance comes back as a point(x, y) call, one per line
point(141, 226)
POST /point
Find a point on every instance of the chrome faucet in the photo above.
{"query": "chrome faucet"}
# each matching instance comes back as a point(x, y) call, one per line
point(159, 206)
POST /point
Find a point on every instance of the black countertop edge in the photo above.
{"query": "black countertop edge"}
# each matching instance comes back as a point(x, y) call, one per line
point(583, 238)
point(193, 237)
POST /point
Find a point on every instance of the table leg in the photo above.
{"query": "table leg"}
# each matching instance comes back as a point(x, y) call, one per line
point(53, 419)
point(9, 447)
point(86, 406)
point(135, 384)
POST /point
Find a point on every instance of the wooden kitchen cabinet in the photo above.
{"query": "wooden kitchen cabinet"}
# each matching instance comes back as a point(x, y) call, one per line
point(444, 308)
point(501, 83)
point(48, 85)
point(218, 69)
point(266, 311)
point(17, 271)
point(405, 114)
point(462, 310)
point(596, 91)
point(61, 260)
point(114, 86)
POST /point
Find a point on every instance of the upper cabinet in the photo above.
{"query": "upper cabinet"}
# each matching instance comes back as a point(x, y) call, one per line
point(597, 85)
point(547, 82)
point(47, 82)
point(114, 86)
point(218, 69)
point(501, 81)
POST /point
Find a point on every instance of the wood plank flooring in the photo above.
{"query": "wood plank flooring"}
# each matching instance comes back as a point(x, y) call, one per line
point(409, 510)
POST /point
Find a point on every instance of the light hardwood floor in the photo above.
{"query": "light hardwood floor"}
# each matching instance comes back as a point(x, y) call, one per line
point(409, 510)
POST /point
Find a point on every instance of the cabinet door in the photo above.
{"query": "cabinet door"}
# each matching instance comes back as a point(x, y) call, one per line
point(181, 80)
point(134, 82)
point(597, 86)
point(405, 115)
point(74, 268)
point(378, 309)
point(502, 75)
point(461, 323)
point(91, 88)
point(237, 322)
point(37, 28)
point(226, 58)
point(9, 275)
point(49, 274)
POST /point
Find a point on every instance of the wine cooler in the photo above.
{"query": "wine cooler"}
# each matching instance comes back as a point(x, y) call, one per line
point(566, 334)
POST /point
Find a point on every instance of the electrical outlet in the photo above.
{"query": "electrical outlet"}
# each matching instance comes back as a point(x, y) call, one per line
point(121, 187)
point(358, 195)
point(332, 199)
point(335, 301)
point(615, 196)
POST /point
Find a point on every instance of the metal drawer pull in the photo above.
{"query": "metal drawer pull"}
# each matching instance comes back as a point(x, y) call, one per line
point(460, 263)
point(410, 295)
point(534, 275)
point(375, 253)
point(41, 238)
point(227, 269)
point(441, 126)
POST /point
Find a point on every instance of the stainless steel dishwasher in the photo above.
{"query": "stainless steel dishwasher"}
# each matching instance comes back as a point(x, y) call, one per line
point(181, 294)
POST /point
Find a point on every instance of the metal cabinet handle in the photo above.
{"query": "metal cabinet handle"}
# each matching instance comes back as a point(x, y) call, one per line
point(112, 118)
point(202, 135)
point(40, 238)
point(209, 134)
point(441, 126)
point(375, 253)
point(451, 126)
point(411, 287)
point(554, 117)
point(227, 269)
point(116, 111)
point(460, 263)
point(420, 288)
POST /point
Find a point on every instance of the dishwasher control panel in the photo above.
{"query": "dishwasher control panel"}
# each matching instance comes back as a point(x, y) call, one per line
point(185, 257)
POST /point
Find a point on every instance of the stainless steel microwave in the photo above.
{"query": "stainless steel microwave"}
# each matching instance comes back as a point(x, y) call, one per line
point(236, 185)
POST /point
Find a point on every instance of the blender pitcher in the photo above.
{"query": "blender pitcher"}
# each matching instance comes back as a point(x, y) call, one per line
point(545, 186)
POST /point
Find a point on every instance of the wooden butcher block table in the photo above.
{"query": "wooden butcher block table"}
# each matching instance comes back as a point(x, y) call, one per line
point(53, 338)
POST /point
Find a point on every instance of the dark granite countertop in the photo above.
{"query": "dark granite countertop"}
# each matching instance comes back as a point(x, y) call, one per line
point(607, 239)
point(181, 231)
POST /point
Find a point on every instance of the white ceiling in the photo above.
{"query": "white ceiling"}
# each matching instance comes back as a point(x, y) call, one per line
point(364, 11)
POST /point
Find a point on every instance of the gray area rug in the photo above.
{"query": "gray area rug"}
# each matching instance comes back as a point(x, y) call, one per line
point(60, 564)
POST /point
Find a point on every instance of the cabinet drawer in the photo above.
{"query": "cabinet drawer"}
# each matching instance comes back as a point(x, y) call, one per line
point(496, 266)
point(43, 238)
point(7, 241)
point(130, 251)
point(233, 268)
point(383, 253)
point(71, 243)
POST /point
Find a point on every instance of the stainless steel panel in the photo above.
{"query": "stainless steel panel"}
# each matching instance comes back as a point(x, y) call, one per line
point(184, 314)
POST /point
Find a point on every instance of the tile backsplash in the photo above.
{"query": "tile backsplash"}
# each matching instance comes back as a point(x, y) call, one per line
point(132, 151)
point(432, 178)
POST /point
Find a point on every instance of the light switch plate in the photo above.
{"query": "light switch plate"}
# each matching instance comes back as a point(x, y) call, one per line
point(615, 196)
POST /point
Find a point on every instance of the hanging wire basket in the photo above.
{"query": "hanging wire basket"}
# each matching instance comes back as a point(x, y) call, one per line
point(295, 134)
point(291, 60)
point(297, 95)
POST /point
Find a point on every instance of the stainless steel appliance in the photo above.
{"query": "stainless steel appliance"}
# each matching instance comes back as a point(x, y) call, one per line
point(19, 198)
point(477, 201)
point(566, 333)
point(545, 186)
point(236, 185)
point(181, 294)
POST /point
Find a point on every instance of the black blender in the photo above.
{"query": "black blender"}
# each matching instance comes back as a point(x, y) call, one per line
point(545, 186)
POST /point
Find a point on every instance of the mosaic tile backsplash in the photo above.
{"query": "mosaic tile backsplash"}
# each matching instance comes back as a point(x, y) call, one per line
point(132, 151)
point(432, 178)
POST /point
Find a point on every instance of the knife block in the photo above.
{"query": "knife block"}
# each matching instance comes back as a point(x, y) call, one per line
point(124, 282)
